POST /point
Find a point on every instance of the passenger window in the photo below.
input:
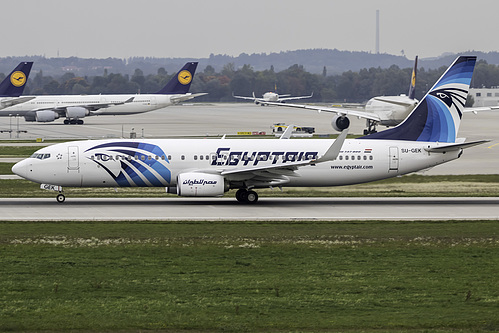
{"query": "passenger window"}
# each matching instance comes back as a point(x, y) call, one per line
point(182, 157)
point(201, 157)
point(195, 157)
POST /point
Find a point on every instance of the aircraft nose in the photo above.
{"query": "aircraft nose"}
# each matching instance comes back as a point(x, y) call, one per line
point(20, 168)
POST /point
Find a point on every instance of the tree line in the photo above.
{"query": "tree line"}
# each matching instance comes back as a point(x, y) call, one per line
point(349, 86)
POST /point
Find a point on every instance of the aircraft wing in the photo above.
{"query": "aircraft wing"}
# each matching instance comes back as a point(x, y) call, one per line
point(390, 101)
point(248, 98)
point(89, 106)
point(283, 98)
point(15, 100)
point(274, 175)
point(185, 97)
point(338, 111)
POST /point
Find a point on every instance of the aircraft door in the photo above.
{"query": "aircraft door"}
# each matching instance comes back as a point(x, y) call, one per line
point(153, 100)
point(394, 159)
point(73, 159)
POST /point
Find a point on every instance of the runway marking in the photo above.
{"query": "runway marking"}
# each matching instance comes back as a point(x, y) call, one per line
point(495, 144)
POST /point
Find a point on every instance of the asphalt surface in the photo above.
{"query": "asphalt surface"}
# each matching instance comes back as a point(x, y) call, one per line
point(267, 209)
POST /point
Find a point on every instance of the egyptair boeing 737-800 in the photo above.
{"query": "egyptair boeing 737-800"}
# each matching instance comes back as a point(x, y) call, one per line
point(200, 167)
point(75, 107)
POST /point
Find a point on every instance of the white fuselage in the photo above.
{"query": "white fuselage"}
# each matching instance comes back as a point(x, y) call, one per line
point(391, 114)
point(158, 162)
point(141, 103)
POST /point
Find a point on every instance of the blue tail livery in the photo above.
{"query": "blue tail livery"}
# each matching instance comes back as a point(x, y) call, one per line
point(438, 116)
point(181, 82)
point(13, 85)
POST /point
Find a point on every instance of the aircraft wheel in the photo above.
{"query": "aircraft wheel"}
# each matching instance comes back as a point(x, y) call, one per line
point(72, 121)
point(79, 122)
point(251, 197)
point(61, 198)
point(66, 121)
point(241, 195)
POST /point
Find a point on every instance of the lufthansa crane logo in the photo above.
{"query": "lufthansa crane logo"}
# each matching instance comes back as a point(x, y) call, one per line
point(184, 77)
point(18, 79)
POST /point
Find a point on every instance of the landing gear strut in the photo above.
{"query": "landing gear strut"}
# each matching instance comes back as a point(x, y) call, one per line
point(245, 196)
point(371, 127)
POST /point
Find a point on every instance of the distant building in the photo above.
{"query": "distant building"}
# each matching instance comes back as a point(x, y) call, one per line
point(485, 96)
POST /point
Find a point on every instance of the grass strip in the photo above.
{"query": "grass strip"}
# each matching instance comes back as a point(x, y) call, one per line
point(253, 277)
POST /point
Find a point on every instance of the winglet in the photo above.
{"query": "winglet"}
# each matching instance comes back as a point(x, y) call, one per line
point(287, 133)
point(333, 151)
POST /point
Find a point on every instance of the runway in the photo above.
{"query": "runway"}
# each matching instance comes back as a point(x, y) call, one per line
point(267, 209)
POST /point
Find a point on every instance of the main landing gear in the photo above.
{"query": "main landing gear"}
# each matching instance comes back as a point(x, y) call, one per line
point(371, 127)
point(73, 121)
point(245, 196)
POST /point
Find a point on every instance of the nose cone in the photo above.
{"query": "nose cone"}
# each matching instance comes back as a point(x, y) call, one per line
point(20, 168)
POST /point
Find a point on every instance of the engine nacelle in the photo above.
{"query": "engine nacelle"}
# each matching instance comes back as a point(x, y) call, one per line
point(76, 112)
point(340, 123)
point(45, 116)
point(196, 184)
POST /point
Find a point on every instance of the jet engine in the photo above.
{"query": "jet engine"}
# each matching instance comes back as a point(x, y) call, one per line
point(76, 112)
point(340, 123)
point(195, 184)
point(43, 116)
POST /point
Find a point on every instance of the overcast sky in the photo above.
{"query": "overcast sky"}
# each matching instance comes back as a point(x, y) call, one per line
point(197, 28)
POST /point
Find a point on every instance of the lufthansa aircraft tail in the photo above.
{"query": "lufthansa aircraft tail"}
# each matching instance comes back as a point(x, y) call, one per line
point(438, 115)
point(412, 87)
point(181, 82)
point(13, 85)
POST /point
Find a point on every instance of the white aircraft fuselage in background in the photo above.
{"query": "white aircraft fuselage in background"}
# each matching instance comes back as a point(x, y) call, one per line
point(73, 108)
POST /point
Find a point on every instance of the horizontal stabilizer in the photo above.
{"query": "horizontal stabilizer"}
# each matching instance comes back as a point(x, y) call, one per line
point(455, 146)
point(183, 98)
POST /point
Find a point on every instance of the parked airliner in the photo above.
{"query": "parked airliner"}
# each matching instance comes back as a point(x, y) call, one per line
point(75, 107)
point(381, 110)
point(13, 86)
point(210, 167)
point(272, 97)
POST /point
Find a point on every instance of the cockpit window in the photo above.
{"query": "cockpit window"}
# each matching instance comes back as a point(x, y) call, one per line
point(40, 156)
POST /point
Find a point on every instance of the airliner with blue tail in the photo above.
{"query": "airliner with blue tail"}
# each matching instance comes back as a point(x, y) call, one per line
point(12, 87)
point(73, 108)
point(211, 167)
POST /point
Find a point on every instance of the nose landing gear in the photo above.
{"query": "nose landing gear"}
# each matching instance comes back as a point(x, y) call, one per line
point(60, 198)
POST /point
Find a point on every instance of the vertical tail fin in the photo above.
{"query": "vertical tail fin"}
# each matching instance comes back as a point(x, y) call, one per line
point(181, 82)
point(412, 87)
point(438, 115)
point(13, 85)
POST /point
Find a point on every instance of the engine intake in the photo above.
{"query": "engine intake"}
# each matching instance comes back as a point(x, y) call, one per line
point(196, 184)
point(340, 123)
